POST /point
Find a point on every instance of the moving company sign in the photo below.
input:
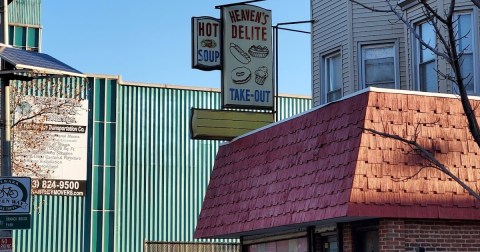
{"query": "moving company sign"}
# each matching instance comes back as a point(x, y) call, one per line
point(206, 43)
point(247, 57)
point(52, 148)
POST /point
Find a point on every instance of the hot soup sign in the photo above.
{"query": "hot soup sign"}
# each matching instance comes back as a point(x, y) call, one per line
point(206, 43)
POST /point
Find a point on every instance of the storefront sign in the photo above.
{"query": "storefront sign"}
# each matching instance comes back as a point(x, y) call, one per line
point(247, 74)
point(206, 54)
point(210, 124)
point(15, 195)
point(52, 148)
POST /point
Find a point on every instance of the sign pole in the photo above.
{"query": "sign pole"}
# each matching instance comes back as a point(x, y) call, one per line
point(5, 97)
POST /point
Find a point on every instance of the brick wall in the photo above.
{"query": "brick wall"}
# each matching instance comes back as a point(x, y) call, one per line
point(433, 235)
point(347, 238)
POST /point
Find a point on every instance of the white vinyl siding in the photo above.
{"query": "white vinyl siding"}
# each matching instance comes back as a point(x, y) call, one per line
point(329, 33)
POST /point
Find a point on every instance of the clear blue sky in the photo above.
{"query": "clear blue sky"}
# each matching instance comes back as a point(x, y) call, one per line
point(150, 40)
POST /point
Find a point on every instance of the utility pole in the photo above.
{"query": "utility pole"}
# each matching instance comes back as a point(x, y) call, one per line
point(5, 97)
point(5, 107)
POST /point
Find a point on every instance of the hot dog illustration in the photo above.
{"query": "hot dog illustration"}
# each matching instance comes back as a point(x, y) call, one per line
point(239, 53)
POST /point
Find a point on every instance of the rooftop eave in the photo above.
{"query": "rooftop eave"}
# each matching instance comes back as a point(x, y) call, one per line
point(287, 228)
point(407, 4)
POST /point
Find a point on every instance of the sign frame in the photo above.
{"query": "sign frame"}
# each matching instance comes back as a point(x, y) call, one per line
point(247, 58)
point(209, 42)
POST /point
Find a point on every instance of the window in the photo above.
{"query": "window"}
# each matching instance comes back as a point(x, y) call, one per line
point(378, 66)
point(26, 38)
point(291, 245)
point(333, 76)
point(465, 49)
point(326, 242)
point(426, 59)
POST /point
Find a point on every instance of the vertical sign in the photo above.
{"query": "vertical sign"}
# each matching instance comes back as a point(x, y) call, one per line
point(247, 80)
point(51, 147)
point(206, 43)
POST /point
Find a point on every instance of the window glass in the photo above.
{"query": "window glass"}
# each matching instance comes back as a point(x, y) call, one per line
point(20, 37)
point(333, 77)
point(326, 243)
point(379, 66)
point(426, 65)
point(465, 48)
point(33, 37)
point(27, 38)
point(292, 245)
point(464, 32)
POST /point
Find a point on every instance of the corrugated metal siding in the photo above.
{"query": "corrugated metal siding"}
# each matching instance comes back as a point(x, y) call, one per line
point(162, 175)
point(101, 205)
point(57, 225)
point(25, 12)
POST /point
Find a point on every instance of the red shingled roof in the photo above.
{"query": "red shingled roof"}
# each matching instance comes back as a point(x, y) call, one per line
point(321, 165)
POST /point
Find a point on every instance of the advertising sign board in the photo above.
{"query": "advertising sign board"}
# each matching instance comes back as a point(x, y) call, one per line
point(247, 68)
point(206, 54)
point(15, 195)
point(58, 163)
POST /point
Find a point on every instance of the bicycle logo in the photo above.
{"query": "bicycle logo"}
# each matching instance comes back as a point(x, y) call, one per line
point(8, 191)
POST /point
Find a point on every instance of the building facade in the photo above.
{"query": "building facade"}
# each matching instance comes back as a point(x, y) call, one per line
point(320, 182)
point(328, 180)
point(146, 178)
point(354, 48)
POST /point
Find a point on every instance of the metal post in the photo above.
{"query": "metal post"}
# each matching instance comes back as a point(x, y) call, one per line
point(276, 28)
point(5, 110)
point(5, 135)
point(276, 73)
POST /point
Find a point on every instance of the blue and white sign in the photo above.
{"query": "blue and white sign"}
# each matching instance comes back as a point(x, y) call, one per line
point(206, 53)
point(15, 195)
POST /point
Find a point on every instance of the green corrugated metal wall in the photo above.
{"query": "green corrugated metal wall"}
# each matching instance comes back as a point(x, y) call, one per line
point(57, 225)
point(26, 12)
point(102, 176)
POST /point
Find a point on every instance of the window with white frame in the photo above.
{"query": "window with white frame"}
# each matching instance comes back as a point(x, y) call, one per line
point(426, 59)
point(378, 65)
point(465, 49)
point(333, 76)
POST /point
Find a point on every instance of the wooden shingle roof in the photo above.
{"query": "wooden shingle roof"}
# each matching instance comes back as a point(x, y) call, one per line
point(322, 166)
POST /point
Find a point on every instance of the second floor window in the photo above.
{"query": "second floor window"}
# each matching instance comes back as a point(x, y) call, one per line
point(466, 50)
point(333, 76)
point(426, 64)
point(378, 65)
point(26, 38)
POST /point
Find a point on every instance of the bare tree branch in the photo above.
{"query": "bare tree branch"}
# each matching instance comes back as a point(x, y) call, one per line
point(476, 2)
point(427, 155)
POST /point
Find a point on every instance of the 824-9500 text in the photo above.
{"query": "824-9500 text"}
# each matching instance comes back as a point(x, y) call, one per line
point(58, 187)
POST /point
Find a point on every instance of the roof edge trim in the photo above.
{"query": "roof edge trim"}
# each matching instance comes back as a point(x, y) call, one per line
point(365, 90)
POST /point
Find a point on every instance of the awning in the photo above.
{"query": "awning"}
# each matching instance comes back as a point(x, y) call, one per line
point(23, 61)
